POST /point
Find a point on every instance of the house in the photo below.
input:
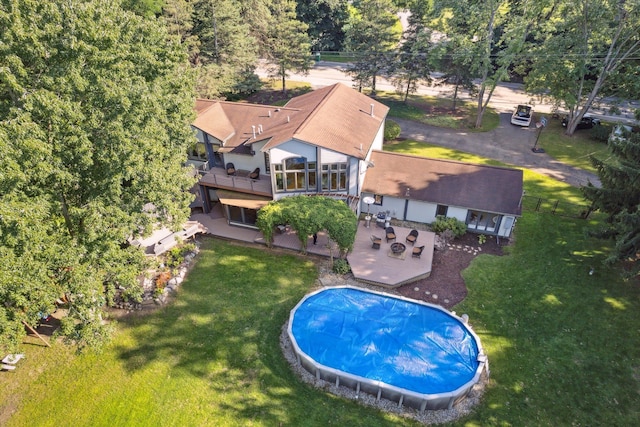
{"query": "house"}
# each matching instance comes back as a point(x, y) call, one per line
point(487, 198)
point(329, 142)
point(319, 143)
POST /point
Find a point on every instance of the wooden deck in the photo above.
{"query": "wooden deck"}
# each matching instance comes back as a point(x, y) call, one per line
point(368, 265)
point(381, 267)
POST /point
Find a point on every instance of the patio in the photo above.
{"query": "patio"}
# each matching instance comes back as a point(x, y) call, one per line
point(374, 266)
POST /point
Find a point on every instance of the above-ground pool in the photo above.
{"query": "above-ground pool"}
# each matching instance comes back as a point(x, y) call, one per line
point(415, 353)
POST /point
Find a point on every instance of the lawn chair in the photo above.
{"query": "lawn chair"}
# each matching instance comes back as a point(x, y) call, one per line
point(412, 237)
point(255, 174)
point(417, 251)
point(391, 234)
point(376, 242)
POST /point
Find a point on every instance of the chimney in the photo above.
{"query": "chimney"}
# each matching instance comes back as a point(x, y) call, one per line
point(254, 131)
point(371, 110)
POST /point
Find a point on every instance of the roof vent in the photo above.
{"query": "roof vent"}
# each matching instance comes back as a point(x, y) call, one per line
point(254, 131)
point(259, 129)
point(371, 110)
point(269, 113)
point(288, 119)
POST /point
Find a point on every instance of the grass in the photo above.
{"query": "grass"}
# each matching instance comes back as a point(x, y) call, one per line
point(574, 150)
point(437, 111)
point(562, 344)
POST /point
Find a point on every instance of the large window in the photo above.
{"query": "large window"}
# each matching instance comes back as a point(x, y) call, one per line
point(295, 174)
point(334, 177)
point(197, 151)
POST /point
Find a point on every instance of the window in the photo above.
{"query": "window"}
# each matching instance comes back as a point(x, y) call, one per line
point(267, 163)
point(377, 199)
point(334, 177)
point(441, 210)
point(295, 174)
point(197, 151)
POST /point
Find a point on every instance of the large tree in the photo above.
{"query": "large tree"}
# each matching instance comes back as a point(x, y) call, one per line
point(413, 61)
point(581, 47)
point(619, 197)
point(372, 32)
point(95, 107)
point(325, 19)
point(287, 47)
point(494, 32)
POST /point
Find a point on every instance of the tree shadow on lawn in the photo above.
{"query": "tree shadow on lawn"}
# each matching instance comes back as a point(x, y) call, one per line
point(223, 330)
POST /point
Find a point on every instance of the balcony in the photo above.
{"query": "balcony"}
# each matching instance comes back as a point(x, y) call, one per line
point(218, 178)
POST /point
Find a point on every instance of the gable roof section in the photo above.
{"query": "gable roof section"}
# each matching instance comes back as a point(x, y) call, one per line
point(340, 119)
point(335, 117)
point(446, 182)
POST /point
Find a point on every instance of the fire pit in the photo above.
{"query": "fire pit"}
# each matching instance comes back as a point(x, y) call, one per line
point(398, 248)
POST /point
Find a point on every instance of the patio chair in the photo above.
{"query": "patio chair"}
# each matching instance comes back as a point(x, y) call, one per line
point(376, 242)
point(412, 237)
point(417, 251)
point(255, 174)
point(231, 169)
point(391, 234)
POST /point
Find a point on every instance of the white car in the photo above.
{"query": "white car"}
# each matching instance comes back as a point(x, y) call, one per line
point(522, 116)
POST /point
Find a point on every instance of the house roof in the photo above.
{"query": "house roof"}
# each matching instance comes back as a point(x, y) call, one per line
point(446, 182)
point(335, 117)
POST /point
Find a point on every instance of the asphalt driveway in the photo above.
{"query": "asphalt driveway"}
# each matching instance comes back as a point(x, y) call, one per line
point(507, 143)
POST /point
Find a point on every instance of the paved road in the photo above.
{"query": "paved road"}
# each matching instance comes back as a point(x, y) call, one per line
point(507, 143)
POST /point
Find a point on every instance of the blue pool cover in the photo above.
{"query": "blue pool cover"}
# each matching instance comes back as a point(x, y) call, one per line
point(413, 346)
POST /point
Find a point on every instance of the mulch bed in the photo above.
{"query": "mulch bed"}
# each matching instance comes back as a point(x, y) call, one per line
point(445, 286)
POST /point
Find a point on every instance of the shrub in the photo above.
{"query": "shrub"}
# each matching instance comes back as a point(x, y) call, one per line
point(442, 223)
point(341, 266)
point(601, 133)
point(175, 256)
point(482, 239)
point(391, 130)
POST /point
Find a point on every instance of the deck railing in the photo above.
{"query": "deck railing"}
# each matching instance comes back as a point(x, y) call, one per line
point(217, 177)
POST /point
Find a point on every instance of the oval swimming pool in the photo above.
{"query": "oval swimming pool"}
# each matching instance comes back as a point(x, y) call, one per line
point(416, 353)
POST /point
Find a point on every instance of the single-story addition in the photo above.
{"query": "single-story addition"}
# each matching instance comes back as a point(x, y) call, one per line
point(486, 198)
point(329, 142)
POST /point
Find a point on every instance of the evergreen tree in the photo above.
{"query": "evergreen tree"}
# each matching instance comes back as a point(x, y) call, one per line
point(288, 47)
point(95, 112)
point(412, 65)
point(619, 197)
point(372, 32)
point(220, 46)
point(325, 19)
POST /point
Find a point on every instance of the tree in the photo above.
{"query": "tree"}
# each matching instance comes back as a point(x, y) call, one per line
point(372, 34)
point(495, 32)
point(308, 215)
point(583, 46)
point(619, 197)
point(95, 107)
point(325, 19)
point(288, 46)
point(413, 63)
point(455, 69)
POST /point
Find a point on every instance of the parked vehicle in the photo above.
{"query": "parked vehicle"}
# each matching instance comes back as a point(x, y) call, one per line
point(587, 122)
point(522, 116)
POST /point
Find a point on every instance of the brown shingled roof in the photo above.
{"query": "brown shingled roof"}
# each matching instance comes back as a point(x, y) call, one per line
point(446, 182)
point(335, 117)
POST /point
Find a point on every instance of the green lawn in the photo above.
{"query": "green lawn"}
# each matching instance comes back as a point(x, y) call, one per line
point(574, 150)
point(563, 345)
point(437, 111)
